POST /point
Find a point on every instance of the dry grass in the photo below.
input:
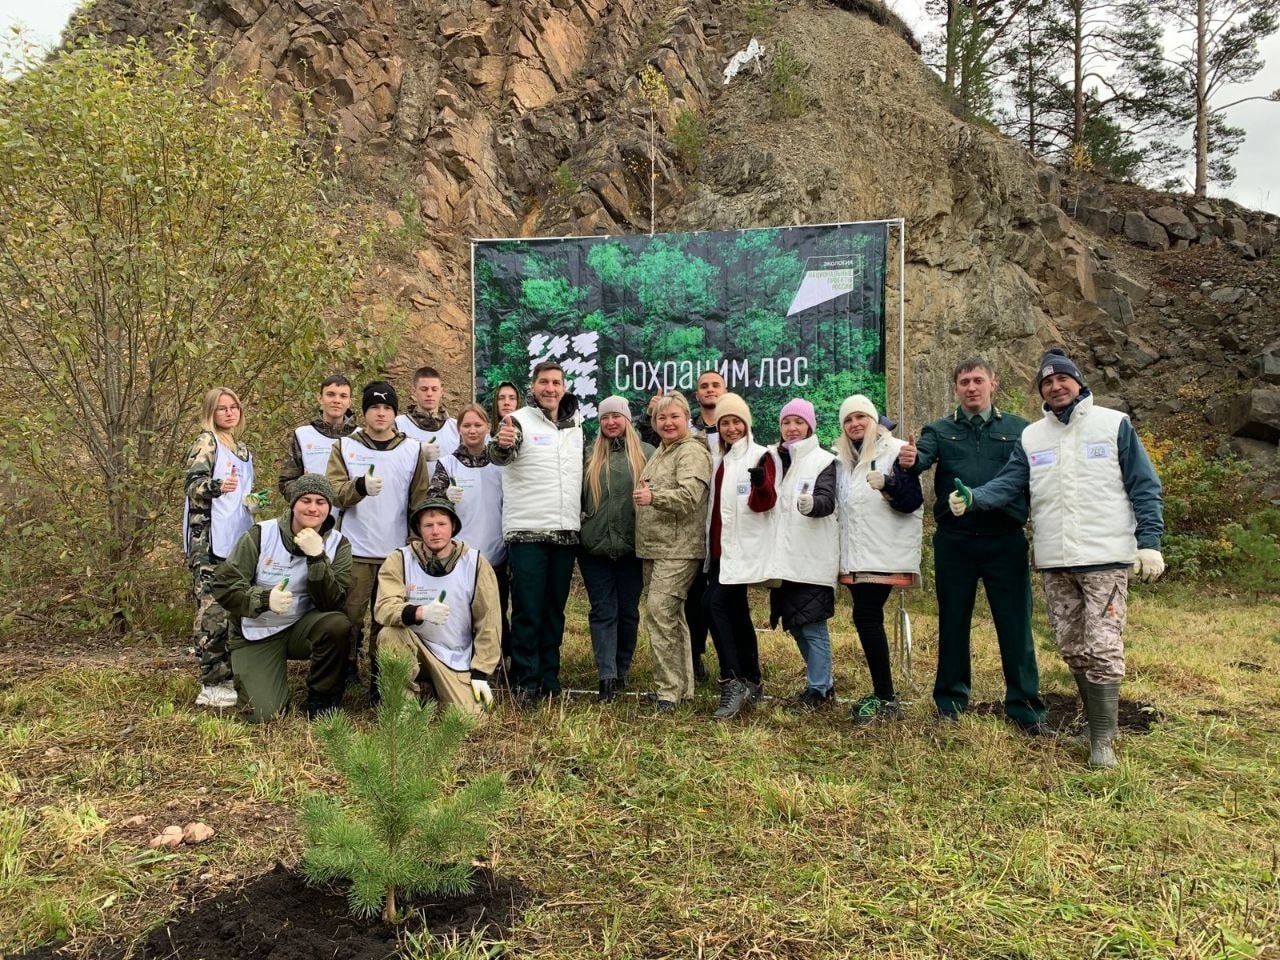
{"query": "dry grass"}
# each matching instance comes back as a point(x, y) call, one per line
point(782, 835)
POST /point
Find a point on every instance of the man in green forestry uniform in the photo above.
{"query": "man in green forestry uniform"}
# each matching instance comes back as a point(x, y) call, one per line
point(972, 445)
point(284, 588)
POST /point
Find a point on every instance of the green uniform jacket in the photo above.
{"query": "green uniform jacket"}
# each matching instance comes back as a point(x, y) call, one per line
point(609, 527)
point(234, 589)
point(975, 455)
point(674, 526)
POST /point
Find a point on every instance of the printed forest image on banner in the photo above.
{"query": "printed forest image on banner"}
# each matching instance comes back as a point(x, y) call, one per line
point(780, 313)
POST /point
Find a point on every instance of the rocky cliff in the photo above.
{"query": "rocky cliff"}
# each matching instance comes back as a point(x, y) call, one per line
point(464, 118)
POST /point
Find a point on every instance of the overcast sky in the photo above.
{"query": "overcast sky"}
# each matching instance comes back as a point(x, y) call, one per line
point(1256, 183)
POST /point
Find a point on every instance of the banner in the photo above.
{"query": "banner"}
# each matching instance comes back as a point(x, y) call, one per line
point(780, 313)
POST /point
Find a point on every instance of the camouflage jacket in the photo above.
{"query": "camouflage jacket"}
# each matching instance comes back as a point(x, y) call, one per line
point(200, 488)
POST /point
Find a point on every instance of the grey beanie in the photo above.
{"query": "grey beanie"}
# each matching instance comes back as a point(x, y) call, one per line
point(1055, 360)
point(310, 483)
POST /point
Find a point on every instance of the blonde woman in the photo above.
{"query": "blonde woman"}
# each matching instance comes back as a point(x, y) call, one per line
point(881, 523)
point(607, 543)
point(218, 481)
point(671, 540)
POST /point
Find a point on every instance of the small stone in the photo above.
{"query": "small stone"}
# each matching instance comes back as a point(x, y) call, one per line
point(170, 838)
point(196, 833)
point(1227, 294)
point(393, 219)
point(134, 821)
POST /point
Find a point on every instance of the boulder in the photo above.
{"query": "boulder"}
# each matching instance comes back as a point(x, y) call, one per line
point(1266, 365)
point(1235, 229)
point(1167, 216)
point(1256, 415)
point(1142, 230)
point(1260, 453)
point(1227, 294)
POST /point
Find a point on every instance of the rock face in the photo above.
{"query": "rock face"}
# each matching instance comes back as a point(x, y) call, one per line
point(473, 118)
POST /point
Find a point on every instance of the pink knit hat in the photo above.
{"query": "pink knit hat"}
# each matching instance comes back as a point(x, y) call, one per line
point(802, 409)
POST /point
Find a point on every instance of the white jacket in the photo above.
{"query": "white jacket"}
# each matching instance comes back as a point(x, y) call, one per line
point(1080, 510)
point(806, 549)
point(746, 537)
point(874, 537)
point(542, 486)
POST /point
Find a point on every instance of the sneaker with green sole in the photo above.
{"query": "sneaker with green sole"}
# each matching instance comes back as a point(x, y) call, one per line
point(871, 709)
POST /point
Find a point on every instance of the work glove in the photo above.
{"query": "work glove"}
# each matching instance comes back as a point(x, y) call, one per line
point(435, 612)
point(309, 542)
point(431, 449)
point(256, 502)
point(961, 500)
point(280, 599)
point(757, 476)
point(804, 503)
point(454, 493)
point(372, 484)
point(1149, 565)
point(482, 693)
point(875, 478)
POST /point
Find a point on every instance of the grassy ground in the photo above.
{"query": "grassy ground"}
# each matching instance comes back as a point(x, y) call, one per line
point(777, 836)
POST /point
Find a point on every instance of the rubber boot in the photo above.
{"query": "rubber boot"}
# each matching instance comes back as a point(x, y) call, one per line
point(1080, 741)
point(1102, 708)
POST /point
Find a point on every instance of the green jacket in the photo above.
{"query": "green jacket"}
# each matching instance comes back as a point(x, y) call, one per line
point(674, 526)
point(975, 455)
point(235, 591)
point(609, 527)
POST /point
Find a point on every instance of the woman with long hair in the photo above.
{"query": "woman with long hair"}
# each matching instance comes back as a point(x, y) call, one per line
point(612, 573)
point(881, 524)
point(219, 507)
point(671, 540)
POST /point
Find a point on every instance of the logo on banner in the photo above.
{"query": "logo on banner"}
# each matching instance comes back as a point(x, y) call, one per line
point(825, 278)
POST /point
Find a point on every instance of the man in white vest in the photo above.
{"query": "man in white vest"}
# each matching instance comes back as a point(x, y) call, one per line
point(539, 448)
point(1097, 513)
point(439, 607)
point(426, 420)
point(376, 473)
point(310, 445)
point(284, 588)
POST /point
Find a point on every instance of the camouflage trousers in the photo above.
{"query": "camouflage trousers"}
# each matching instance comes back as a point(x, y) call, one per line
point(1087, 611)
point(209, 634)
point(666, 584)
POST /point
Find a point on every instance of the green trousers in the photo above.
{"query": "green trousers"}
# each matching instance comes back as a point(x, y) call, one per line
point(261, 666)
point(999, 561)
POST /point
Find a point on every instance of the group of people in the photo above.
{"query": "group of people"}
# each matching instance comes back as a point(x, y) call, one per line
point(458, 536)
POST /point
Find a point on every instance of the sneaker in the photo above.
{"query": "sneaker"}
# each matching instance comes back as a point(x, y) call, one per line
point(734, 695)
point(871, 709)
point(755, 691)
point(608, 690)
point(620, 684)
point(813, 699)
point(220, 695)
point(666, 706)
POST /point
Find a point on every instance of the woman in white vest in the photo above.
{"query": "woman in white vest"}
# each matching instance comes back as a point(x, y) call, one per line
point(797, 481)
point(284, 586)
point(218, 508)
point(474, 486)
point(438, 606)
point(881, 525)
point(738, 544)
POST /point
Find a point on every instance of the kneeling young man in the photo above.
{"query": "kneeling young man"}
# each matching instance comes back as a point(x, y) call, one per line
point(438, 605)
point(284, 587)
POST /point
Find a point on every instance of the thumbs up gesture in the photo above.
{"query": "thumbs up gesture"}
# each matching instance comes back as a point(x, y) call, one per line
point(875, 478)
point(907, 455)
point(642, 496)
point(372, 484)
point(431, 449)
point(437, 612)
point(280, 599)
point(507, 433)
point(232, 482)
point(961, 500)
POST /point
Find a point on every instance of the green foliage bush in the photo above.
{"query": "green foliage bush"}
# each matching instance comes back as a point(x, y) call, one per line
point(689, 138)
point(788, 97)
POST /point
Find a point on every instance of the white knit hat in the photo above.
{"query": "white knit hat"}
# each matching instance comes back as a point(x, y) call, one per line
point(614, 404)
point(858, 404)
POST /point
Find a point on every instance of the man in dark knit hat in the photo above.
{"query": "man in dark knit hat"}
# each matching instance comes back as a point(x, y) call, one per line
point(1097, 511)
point(376, 473)
point(284, 587)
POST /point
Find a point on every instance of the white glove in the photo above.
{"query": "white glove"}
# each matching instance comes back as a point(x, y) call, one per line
point(435, 612)
point(454, 493)
point(957, 504)
point(875, 480)
point(482, 692)
point(804, 503)
point(431, 449)
point(279, 600)
point(372, 486)
point(309, 542)
point(1149, 566)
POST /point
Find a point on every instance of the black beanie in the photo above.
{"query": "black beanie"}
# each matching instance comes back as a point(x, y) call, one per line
point(1055, 360)
point(379, 392)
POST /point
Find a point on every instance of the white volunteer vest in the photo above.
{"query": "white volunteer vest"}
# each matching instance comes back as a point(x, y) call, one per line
point(315, 447)
point(1080, 511)
point(446, 436)
point(228, 516)
point(542, 487)
point(480, 508)
point(275, 563)
point(746, 537)
point(806, 550)
point(377, 525)
point(450, 642)
point(874, 537)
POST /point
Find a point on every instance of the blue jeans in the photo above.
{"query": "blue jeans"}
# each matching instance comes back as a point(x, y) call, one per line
point(614, 588)
point(814, 641)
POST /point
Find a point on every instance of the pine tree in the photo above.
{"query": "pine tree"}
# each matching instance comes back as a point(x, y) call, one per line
point(401, 828)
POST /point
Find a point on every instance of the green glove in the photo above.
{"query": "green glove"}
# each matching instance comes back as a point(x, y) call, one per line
point(961, 500)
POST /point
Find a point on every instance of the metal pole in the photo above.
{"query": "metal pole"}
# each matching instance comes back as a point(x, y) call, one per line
point(902, 322)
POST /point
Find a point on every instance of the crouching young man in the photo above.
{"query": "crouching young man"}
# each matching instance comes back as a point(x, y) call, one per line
point(439, 608)
point(284, 587)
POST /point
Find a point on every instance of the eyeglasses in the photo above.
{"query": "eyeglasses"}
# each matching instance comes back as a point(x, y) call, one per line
point(229, 409)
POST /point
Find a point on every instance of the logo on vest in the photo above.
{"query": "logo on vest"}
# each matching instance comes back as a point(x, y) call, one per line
point(1043, 458)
